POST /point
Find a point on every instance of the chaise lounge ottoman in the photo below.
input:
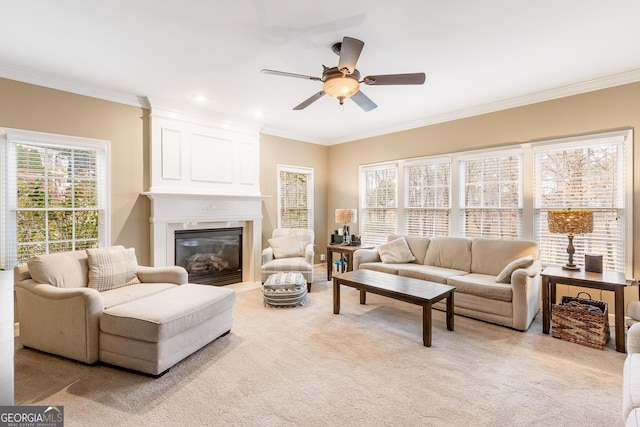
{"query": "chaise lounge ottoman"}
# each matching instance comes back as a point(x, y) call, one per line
point(154, 333)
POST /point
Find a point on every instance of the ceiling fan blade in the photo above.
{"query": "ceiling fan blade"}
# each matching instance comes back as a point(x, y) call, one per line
point(349, 54)
point(363, 101)
point(396, 79)
point(285, 74)
point(313, 98)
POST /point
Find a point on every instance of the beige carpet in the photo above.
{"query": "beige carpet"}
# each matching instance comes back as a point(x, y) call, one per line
point(366, 366)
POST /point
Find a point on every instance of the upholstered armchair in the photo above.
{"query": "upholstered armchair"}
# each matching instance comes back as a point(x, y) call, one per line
point(290, 250)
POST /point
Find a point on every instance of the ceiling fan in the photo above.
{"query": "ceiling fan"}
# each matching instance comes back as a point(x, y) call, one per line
point(344, 81)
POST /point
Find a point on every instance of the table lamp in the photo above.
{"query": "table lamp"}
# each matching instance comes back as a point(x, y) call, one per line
point(345, 217)
point(570, 222)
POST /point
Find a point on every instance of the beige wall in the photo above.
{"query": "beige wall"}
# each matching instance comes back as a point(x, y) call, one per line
point(30, 107)
point(603, 110)
point(34, 108)
point(276, 150)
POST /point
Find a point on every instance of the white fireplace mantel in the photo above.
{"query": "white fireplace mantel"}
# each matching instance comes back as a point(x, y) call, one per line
point(195, 211)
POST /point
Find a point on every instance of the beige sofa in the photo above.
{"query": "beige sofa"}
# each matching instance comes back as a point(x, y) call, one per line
point(99, 305)
point(497, 281)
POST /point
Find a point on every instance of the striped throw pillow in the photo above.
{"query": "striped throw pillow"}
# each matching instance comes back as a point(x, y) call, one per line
point(111, 268)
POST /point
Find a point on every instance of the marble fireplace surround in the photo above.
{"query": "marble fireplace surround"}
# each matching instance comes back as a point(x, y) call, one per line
point(179, 211)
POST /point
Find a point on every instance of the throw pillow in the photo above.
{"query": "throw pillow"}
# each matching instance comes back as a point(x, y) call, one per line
point(505, 275)
point(395, 252)
point(285, 247)
point(111, 268)
point(62, 269)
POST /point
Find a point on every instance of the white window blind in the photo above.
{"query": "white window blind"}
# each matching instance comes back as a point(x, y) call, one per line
point(55, 196)
point(295, 197)
point(428, 199)
point(378, 205)
point(588, 173)
point(491, 200)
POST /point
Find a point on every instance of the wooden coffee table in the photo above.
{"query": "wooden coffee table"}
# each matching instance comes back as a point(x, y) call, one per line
point(414, 291)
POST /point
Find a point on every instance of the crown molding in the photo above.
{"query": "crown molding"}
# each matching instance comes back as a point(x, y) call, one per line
point(56, 82)
point(296, 137)
point(66, 85)
point(613, 80)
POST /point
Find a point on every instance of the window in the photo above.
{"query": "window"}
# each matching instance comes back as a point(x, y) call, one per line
point(379, 202)
point(585, 173)
point(55, 194)
point(506, 192)
point(428, 199)
point(295, 197)
point(491, 203)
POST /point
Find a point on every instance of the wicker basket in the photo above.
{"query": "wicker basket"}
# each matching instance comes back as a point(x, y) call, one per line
point(581, 321)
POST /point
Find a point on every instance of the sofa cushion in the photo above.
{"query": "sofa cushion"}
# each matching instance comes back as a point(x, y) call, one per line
point(481, 285)
point(417, 245)
point(116, 296)
point(285, 247)
point(633, 316)
point(182, 308)
point(633, 420)
point(395, 252)
point(63, 269)
point(430, 273)
point(112, 267)
point(449, 252)
point(630, 384)
point(489, 256)
point(381, 267)
point(505, 275)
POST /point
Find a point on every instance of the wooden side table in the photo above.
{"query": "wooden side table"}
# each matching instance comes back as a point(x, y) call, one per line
point(607, 280)
point(343, 250)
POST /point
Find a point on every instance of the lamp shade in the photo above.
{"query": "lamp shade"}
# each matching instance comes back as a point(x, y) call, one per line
point(346, 216)
point(570, 221)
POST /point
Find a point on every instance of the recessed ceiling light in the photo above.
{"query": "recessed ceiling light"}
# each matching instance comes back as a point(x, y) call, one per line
point(257, 113)
point(199, 98)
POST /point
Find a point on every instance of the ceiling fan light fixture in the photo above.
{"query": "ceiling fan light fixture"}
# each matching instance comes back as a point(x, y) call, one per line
point(343, 81)
point(341, 87)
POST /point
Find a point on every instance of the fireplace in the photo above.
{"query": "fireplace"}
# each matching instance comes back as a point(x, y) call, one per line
point(210, 256)
point(204, 175)
point(173, 215)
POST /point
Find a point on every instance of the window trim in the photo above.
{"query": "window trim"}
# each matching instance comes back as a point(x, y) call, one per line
point(103, 161)
point(626, 138)
point(483, 155)
point(310, 187)
point(425, 161)
point(399, 195)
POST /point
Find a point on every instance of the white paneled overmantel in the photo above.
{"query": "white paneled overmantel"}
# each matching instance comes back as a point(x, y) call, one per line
point(192, 154)
point(205, 174)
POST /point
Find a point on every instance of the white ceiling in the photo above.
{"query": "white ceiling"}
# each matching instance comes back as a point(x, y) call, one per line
point(479, 56)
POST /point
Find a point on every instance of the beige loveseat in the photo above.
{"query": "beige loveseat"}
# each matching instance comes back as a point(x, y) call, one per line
point(99, 305)
point(497, 281)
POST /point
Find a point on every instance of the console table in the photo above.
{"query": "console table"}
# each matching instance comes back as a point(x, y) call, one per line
point(607, 280)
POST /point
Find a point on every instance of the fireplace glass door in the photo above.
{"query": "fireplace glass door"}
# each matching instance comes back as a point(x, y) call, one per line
point(212, 256)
